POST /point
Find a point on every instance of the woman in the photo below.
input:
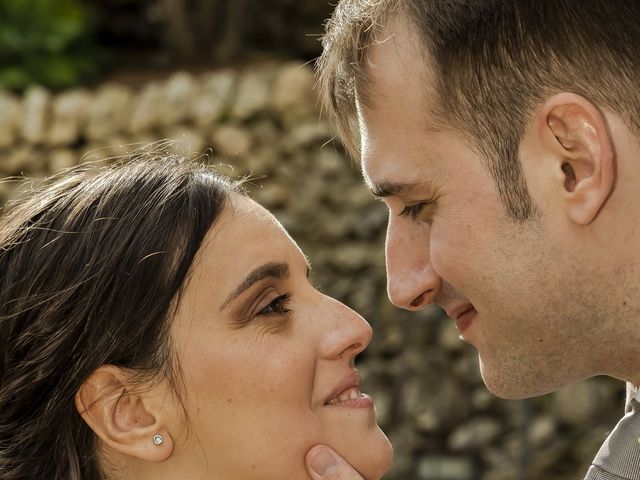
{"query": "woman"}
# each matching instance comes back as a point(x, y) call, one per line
point(157, 323)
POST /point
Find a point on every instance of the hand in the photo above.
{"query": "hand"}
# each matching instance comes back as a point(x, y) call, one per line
point(325, 464)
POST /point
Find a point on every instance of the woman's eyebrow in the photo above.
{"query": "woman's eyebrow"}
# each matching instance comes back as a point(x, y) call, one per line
point(268, 270)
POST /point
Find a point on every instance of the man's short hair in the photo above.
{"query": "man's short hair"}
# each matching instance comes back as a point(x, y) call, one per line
point(495, 62)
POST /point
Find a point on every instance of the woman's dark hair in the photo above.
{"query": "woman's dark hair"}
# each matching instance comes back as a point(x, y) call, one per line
point(91, 268)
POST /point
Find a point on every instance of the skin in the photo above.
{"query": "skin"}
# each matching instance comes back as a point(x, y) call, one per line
point(555, 299)
point(257, 370)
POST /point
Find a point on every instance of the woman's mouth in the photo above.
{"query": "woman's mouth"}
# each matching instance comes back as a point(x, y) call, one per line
point(347, 394)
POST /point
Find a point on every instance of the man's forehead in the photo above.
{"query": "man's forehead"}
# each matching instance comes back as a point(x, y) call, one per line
point(395, 56)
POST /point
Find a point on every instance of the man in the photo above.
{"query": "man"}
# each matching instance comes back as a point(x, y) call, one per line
point(504, 137)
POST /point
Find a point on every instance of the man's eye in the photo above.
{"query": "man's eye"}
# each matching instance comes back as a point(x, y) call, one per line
point(412, 211)
point(278, 306)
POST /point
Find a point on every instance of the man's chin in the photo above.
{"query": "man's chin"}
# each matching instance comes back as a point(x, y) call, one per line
point(510, 384)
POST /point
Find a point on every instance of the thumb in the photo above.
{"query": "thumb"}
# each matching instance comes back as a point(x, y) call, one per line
point(325, 464)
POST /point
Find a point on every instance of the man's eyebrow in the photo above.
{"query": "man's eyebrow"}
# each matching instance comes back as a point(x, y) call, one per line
point(391, 189)
point(268, 270)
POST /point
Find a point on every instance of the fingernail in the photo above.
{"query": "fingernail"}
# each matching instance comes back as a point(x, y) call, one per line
point(323, 462)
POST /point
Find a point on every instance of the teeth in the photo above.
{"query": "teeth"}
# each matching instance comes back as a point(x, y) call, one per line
point(349, 394)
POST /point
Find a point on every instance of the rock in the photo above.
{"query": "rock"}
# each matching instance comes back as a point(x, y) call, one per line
point(293, 95)
point(68, 117)
point(330, 164)
point(467, 367)
point(7, 190)
point(266, 133)
point(35, 114)
point(475, 434)
point(104, 152)
point(185, 141)
point(384, 405)
point(179, 93)
point(547, 456)
point(10, 113)
point(119, 146)
point(22, 160)
point(482, 399)
point(434, 402)
point(109, 112)
point(352, 257)
point(371, 224)
point(214, 98)
point(541, 430)
point(500, 466)
point(440, 467)
point(93, 153)
point(146, 108)
point(231, 140)
point(406, 441)
point(272, 195)
point(363, 298)
point(449, 337)
point(388, 337)
point(359, 194)
point(580, 403)
point(147, 138)
point(402, 467)
point(252, 96)
point(309, 133)
point(62, 159)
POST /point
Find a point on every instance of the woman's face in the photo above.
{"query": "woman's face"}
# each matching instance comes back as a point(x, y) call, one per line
point(267, 360)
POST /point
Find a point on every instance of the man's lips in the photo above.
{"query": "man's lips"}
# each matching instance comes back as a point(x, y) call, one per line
point(463, 316)
point(347, 394)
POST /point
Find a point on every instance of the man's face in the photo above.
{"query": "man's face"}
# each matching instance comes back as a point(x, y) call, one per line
point(510, 288)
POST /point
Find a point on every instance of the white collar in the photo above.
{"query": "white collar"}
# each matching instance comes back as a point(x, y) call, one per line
point(633, 392)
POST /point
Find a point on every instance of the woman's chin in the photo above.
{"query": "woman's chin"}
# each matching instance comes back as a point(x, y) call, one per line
point(371, 456)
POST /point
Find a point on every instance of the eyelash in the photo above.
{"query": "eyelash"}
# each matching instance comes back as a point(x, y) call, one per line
point(278, 306)
point(412, 211)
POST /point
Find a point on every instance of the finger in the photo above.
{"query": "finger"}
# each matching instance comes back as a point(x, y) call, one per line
point(325, 464)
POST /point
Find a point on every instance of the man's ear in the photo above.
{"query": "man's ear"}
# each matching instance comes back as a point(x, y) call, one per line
point(124, 420)
point(576, 134)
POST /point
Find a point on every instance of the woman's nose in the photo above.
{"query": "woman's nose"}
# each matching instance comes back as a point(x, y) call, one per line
point(346, 335)
point(412, 282)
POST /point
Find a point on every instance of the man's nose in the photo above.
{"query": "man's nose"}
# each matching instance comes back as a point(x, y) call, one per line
point(412, 282)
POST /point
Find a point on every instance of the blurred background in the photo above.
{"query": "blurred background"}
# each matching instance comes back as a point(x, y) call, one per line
point(233, 80)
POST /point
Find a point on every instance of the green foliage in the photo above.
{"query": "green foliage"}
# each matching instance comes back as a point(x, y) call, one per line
point(46, 42)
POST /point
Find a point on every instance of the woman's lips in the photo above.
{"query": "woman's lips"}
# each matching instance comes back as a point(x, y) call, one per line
point(347, 394)
point(351, 397)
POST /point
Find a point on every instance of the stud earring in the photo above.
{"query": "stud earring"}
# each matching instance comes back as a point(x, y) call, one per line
point(158, 439)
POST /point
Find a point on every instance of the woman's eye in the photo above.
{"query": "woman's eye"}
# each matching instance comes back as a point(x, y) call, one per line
point(278, 306)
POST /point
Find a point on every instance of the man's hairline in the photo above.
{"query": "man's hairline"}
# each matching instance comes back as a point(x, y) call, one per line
point(363, 93)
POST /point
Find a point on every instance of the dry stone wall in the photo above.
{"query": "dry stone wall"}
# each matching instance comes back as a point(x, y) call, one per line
point(264, 121)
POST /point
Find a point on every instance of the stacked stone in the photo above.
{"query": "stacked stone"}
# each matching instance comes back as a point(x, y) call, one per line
point(263, 121)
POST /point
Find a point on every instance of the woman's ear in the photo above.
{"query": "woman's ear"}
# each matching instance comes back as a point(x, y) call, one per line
point(123, 419)
point(580, 143)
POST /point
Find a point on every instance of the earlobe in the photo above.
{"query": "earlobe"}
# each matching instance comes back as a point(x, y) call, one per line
point(120, 418)
point(583, 149)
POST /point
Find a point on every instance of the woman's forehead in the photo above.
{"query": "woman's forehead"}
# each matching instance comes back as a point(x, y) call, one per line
point(246, 232)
